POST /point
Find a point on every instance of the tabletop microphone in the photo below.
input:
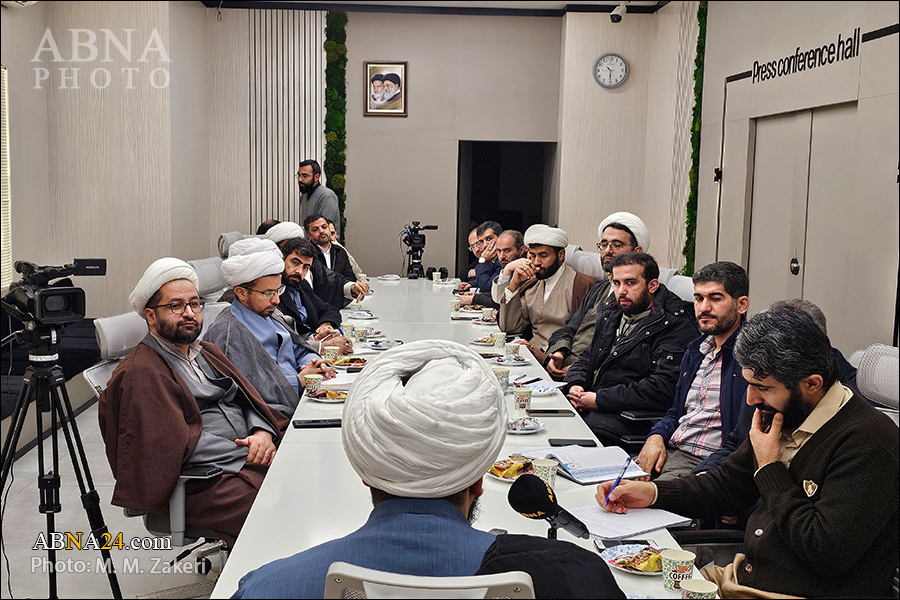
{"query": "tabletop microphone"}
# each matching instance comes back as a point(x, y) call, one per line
point(531, 497)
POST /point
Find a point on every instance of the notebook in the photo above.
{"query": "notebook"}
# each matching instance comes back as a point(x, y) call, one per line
point(588, 465)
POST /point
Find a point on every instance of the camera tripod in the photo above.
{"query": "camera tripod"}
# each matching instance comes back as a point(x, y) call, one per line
point(45, 383)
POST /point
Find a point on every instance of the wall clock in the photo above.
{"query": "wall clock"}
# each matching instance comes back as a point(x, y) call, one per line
point(610, 70)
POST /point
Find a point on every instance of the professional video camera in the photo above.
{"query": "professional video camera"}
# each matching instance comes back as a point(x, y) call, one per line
point(416, 242)
point(60, 303)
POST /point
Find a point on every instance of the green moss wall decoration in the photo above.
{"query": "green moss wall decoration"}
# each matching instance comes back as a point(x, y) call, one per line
point(691, 211)
point(336, 109)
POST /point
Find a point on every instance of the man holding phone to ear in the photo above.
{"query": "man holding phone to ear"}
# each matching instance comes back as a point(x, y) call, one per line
point(826, 470)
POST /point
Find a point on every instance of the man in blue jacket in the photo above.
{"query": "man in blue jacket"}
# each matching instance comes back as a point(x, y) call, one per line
point(710, 389)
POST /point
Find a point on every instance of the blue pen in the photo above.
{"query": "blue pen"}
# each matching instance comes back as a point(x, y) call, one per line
point(618, 479)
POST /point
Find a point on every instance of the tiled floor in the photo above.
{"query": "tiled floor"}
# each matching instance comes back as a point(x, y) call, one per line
point(22, 524)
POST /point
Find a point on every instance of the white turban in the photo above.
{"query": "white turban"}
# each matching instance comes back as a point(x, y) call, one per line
point(546, 235)
point(633, 223)
point(251, 258)
point(424, 420)
point(285, 231)
point(157, 275)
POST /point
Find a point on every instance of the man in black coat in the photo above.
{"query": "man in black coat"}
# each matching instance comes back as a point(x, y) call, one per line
point(329, 255)
point(310, 314)
point(634, 358)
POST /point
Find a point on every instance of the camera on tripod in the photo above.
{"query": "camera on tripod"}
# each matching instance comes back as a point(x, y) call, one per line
point(35, 299)
point(412, 237)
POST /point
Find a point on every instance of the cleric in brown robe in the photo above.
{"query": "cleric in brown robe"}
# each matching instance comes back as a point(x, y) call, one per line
point(539, 291)
point(175, 402)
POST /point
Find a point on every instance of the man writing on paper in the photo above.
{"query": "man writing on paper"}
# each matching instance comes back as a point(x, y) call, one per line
point(710, 390)
point(177, 402)
point(619, 233)
point(823, 461)
point(423, 451)
point(267, 352)
point(538, 293)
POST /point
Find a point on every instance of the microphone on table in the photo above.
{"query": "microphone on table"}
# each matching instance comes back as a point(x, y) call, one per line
point(531, 497)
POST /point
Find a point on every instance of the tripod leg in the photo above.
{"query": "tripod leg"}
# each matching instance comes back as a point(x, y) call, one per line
point(90, 499)
point(16, 422)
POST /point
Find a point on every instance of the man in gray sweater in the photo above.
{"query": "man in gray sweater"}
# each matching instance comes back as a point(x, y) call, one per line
point(319, 200)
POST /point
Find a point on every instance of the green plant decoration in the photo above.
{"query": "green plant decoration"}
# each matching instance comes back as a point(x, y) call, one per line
point(691, 210)
point(336, 108)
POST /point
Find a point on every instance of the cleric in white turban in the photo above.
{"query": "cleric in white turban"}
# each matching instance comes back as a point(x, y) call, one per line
point(285, 231)
point(545, 235)
point(633, 224)
point(424, 420)
point(251, 258)
point(157, 275)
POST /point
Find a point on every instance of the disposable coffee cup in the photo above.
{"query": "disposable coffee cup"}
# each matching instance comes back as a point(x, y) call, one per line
point(355, 307)
point(312, 382)
point(677, 566)
point(330, 353)
point(545, 468)
point(454, 305)
point(360, 333)
point(512, 350)
point(435, 275)
point(698, 588)
point(362, 277)
point(503, 377)
point(487, 313)
point(522, 397)
point(499, 339)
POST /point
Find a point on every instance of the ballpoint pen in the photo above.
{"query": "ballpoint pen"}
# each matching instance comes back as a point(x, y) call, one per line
point(618, 479)
point(521, 377)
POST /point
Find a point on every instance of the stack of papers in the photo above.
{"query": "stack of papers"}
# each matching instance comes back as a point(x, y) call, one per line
point(607, 525)
point(589, 465)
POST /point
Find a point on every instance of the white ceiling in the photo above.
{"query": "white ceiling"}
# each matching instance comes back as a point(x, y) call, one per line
point(513, 5)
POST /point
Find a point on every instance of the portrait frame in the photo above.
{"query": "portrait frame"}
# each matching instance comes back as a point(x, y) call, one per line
point(375, 104)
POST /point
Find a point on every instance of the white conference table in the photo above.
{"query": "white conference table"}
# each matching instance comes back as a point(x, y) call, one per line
point(312, 495)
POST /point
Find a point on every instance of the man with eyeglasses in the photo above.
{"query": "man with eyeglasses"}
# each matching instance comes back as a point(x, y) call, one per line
point(510, 246)
point(320, 200)
point(488, 265)
point(177, 402)
point(265, 349)
point(619, 233)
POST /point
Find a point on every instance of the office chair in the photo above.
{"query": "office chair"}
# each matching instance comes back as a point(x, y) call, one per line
point(878, 375)
point(209, 275)
point(349, 581)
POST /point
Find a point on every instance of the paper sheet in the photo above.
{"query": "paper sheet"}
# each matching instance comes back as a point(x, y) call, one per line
point(604, 524)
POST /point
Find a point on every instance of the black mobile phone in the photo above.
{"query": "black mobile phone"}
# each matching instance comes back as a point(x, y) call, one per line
point(604, 543)
point(316, 423)
point(766, 420)
point(573, 442)
point(549, 412)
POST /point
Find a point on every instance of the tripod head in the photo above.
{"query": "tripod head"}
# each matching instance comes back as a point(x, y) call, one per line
point(412, 237)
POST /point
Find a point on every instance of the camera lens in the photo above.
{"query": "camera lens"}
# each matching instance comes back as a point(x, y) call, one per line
point(56, 303)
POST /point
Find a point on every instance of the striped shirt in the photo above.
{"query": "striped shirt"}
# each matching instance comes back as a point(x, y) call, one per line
point(699, 430)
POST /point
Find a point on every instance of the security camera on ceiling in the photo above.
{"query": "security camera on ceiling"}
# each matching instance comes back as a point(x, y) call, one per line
point(618, 12)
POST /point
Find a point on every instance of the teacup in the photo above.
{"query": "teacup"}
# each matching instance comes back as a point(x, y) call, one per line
point(312, 382)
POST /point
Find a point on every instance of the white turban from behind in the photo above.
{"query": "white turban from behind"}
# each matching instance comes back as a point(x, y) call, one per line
point(251, 258)
point(285, 231)
point(633, 223)
point(157, 275)
point(546, 236)
point(424, 420)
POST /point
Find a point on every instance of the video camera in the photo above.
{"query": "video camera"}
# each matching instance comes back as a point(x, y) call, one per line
point(35, 300)
point(412, 237)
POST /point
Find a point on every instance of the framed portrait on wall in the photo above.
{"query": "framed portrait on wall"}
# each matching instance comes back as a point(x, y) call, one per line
point(386, 91)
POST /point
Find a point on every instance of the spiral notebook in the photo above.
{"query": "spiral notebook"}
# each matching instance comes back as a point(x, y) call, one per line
point(588, 465)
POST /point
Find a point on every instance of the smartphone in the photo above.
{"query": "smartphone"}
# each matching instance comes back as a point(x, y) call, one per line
point(549, 412)
point(766, 420)
point(573, 442)
point(316, 423)
point(604, 543)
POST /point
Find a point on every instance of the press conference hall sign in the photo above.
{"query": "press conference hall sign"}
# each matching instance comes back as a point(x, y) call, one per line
point(812, 58)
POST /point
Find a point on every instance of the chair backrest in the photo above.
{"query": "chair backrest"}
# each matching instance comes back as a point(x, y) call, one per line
point(854, 358)
point(349, 581)
point(683, 286)
point(586, 262)
point(226, 240)
point(117, 335)
point(878, 375)
point(209, 275)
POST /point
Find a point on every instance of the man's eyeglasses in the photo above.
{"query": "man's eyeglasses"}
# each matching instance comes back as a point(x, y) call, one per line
point(268, 293)
point(178, 308)
point(616, 244)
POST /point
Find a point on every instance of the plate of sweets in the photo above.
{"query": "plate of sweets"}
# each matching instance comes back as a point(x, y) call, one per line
point(345, 362)
point(363, 314)
point(524, 426)
point(634, 558)
point(327, 396)
point(483, 341)
point(382, 344)
point(374, 333)
point(509, 469)
point(511, 361)
point(472, 308)
point(480, 321)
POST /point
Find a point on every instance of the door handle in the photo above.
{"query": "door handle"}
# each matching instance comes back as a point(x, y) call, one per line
point(795, 266)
